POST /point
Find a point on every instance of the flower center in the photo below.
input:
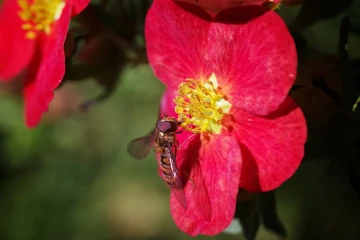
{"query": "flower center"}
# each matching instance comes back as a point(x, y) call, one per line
point(200, 106)
point(39, 15)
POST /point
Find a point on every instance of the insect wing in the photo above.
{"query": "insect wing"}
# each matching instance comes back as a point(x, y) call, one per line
point(139, 148)
point(178, 190)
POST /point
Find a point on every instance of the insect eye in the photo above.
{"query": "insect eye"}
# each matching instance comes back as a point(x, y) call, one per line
point(167, 126)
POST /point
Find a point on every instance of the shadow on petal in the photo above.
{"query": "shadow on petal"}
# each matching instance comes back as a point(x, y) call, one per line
point(284, 109)
point(231, 15)
point(249, 168)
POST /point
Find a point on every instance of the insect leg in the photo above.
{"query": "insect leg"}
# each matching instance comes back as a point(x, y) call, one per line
point(185, 173)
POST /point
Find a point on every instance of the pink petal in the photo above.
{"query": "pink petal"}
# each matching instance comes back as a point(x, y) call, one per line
point(46, 71)
point(214, 167)
point(254, 59)
point(167, 105)
point(175, 39)
point(272, 147)
point(15, 50)
point(207, 164)
point(78, 6)
point(248, 48)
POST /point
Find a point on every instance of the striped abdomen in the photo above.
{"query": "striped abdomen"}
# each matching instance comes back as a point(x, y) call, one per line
point(168, 167)
point(171, 174)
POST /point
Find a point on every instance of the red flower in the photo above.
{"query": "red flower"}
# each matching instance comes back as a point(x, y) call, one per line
point(32, 36)
point(233, 72)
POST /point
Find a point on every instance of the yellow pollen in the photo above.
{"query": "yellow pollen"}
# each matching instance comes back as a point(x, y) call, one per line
point(200, 106)
point(39, 15)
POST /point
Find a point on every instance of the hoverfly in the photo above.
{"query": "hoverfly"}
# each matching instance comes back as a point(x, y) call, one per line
point(165, 144)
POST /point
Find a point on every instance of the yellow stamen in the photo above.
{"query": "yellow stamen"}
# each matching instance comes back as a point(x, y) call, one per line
point(200, 106)
point(39, 15)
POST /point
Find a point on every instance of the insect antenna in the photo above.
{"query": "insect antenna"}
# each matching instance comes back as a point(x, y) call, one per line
point(187, 140)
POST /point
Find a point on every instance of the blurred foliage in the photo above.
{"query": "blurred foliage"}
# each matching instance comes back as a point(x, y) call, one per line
point(71, 177)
